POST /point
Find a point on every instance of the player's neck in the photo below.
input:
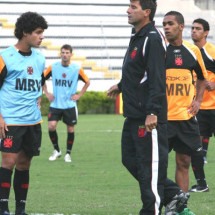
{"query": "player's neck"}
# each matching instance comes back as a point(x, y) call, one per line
point(200, 43)
point(23, 47)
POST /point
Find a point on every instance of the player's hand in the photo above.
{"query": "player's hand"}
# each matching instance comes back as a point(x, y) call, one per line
point(3, 127)
point(151, 122)
point(113, 91)
point(194, 107)
point(50, 96)
point(75, 97)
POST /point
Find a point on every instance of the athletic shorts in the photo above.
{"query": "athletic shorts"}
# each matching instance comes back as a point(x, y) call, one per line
point(206, 120)
point(26, 138)
point(69, 115)
point(184, 136)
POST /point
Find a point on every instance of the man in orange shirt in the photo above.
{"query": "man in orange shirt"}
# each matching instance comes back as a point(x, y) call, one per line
point(206, 114)
point(183, 131)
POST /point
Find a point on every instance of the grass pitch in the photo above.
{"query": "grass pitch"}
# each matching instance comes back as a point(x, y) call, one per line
point(96, 183)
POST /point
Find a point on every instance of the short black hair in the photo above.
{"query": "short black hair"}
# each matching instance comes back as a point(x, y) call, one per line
point(204, 23)
point(179, 17)
point(67, 47)
point(28, 22)
point(148, 4)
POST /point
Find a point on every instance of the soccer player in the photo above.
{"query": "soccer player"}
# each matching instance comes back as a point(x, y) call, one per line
point(183, 131)
point(65, 76)
point(206, 114)
point(21, 68)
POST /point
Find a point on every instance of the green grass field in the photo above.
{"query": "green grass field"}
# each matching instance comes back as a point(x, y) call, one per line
point(96, 183)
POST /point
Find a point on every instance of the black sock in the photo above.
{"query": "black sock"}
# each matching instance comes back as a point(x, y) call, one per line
point(205, 142)
point(198, 169)
point(5, 184)
point(70, 141)
point(54, 139)
point(20, 185)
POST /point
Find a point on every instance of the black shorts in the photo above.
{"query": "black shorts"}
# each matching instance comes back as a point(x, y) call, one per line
point(184, 136)
point(206, 120)
point(69, 115)
point(26, 138)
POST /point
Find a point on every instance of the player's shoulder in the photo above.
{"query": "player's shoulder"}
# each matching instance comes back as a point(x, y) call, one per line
point(75, 65)
point(192, 48)
point(190, 45)
point(8, 51)
point(210, 48)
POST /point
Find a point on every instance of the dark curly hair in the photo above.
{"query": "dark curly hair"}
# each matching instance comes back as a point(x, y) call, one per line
point(28, 22)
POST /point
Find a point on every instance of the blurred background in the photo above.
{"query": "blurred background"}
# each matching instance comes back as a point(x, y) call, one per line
point(97, 30)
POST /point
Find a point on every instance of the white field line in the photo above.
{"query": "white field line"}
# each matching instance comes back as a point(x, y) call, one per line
point(89, 131)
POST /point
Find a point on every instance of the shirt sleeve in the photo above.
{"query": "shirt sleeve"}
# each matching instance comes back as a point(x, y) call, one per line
point(200, 69)
point(155, 54)
point(3, 71)
point(83, 76)
point(46, 74)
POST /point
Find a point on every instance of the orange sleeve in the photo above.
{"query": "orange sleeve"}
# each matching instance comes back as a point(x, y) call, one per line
point(83, 76)
point(2, 64)
point(47, 72)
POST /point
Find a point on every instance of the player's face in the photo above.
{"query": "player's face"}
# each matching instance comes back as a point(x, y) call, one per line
point(197, 32)
point(172, 29)
point(35, 38)
point(65, 55)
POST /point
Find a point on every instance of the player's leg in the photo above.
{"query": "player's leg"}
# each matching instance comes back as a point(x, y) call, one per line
point(182, 171)
point(175, 200)
point(21, 182)
point(152, 158)
point(205, 144)
point(8, 161)
point(31, 144)
point(197, 155)
point(198, 170)
point(128, 150)
point(53, 117)
point(70, 119)
point(10, 147)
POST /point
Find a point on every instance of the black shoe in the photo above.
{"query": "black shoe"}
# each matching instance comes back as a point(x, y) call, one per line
point(199, 189)
point(177, 202)
point(5, 213)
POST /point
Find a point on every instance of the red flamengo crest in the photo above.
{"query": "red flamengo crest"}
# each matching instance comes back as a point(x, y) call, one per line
point(178, 60)
point(8, 143)
point(142, 131)
point(30, 70)
point(134, 53)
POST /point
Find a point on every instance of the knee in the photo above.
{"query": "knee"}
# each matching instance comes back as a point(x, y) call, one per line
point(8, 162)
point(51, 127)
point(183, 162)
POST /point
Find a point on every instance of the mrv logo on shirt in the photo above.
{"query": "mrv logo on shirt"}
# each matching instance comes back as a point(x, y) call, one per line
point(28, 84)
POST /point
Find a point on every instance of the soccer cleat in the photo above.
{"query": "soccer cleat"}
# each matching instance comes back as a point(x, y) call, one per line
point(199, 189)
point(67, 158)
point(186, 211)
point(177, 201)
point(5, 213)
point(55, 155)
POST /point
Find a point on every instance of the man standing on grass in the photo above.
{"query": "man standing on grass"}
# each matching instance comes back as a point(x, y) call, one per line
point(144, 135)
point(65, 76)
point(183, 59)
point(206, 114)
point(21, 69)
